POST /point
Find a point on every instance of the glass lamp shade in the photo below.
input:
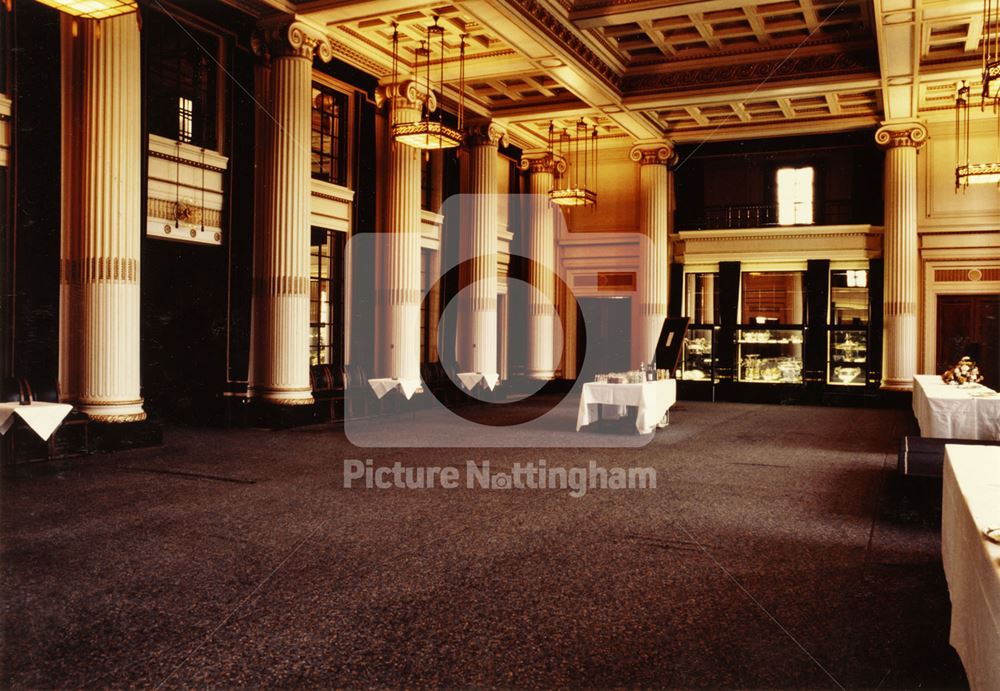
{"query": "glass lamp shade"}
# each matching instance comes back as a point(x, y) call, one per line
point(978, 174)
point(426, 134)
point(574, 196)
point(92, 9)
point(991, 81)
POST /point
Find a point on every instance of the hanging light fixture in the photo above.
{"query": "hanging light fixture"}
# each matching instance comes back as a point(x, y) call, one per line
point(92, 9)
point(967, 173)
point(583, 147)
point(429, 132)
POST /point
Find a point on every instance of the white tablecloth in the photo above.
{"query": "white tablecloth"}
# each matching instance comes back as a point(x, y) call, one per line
point(970, 503)
point(471, 380)
point(43, 418)
point(653, 399)
point(951, 412)
point(383, 386)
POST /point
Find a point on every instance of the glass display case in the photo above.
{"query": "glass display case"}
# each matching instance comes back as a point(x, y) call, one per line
point(847, 362)
point(701, 304)
point(770, 356)
point(697, 360)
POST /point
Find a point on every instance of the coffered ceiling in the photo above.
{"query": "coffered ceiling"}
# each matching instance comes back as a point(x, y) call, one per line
point(683, 70)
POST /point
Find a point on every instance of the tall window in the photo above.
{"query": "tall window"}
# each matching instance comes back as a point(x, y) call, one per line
point(795, 196)
point(329, 135)
point(326, 319)
point(182, 78)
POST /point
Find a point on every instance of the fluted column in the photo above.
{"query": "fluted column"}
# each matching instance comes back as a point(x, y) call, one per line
point(900, 251)
point(399, 294)
point(477, 332)
point(541, 357)
point(279, 329)
point(101, 223)
point(654, 223)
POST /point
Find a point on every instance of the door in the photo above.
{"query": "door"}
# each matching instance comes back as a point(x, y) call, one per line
point(970, 325)
point(604, 334)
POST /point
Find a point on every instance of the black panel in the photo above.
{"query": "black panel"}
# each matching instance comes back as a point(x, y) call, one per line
point(37, 190)
point(362, 252)
point(814, 350)
point(876, 293)
point(729, 303)
point(675, 298)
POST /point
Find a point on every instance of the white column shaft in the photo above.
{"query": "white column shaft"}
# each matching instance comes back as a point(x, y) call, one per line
point(102, 228)
point(541, 277)
point(280, 328)
point(900, 252)
point(399, 296)
point(478, 329)
point(654, 213)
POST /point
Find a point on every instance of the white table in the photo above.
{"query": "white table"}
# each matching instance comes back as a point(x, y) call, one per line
point(382, 386)
point(652, 400)
point(970, 503)
point(951, 412)
point(44, 418)
point(471, 380)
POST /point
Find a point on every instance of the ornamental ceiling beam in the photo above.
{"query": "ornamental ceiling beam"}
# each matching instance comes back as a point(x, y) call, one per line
point(612, 13)
point(897, 26)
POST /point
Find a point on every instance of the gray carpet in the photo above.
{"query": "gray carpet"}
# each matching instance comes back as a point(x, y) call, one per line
point(778, 550)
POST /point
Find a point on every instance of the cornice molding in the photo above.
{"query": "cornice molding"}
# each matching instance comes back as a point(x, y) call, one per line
point(904, 134)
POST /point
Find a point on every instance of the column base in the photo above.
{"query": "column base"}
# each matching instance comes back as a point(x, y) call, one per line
point(281, 397)
point(113, 412)
point(540, 375)
point(897, 385)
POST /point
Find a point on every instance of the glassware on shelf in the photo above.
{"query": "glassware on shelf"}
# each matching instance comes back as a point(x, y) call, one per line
point(846, 375)
point(751, 367)
point(791, 370)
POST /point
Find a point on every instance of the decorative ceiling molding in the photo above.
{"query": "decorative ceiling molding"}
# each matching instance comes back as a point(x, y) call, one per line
point(796, 67)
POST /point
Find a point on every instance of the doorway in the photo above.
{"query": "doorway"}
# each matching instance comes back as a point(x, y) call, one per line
point(606, 340)
point(970, 325)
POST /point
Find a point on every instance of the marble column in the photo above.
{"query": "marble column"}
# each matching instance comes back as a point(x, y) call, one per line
point(477, 337)
point(398, 292)
point(101, 220)
point(900, 252)
point(654, 223)
point(541, 356)
point(279, 328)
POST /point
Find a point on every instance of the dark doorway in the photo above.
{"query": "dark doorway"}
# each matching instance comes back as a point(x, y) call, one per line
point(970, 325)
point(607, 342)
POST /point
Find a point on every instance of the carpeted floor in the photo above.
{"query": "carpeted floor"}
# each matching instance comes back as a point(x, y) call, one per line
point(778, 550)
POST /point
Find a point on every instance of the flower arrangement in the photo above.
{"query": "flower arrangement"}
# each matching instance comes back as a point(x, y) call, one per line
point(965, 371)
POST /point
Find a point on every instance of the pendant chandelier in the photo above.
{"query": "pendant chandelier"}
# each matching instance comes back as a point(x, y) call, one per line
point(429, 132)
point(967, 173)
point(583, 172)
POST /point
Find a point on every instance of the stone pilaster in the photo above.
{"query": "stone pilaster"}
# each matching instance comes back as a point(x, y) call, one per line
point(541, 356)
point(477, 337)
point(101, 225)
point(279, 330)
point(654, 223)
point(398, 293)
point(900, 252)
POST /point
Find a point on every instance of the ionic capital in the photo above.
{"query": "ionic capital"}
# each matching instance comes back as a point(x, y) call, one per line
point(486, 134)
point(405, 95)
point(652, 154)
point(291, 38)
point(543, 163)
point(905, 134)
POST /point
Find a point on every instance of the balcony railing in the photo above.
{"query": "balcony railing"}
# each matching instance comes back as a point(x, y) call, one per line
point(761, 216)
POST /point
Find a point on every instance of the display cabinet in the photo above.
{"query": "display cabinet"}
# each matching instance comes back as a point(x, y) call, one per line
point(847, 361)
point(697, 360)
point(769, 356)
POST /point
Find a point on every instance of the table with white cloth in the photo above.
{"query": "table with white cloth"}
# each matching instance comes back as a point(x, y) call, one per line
point(652, 400)
point(954, 412)
point(971, 504)
point(384, 385)
point(42, 417)
point(471, 380)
